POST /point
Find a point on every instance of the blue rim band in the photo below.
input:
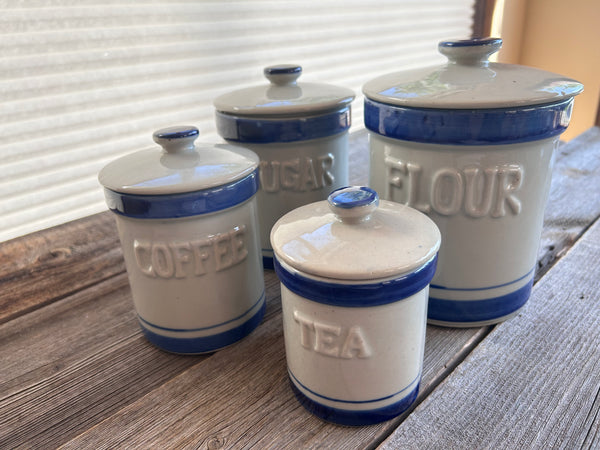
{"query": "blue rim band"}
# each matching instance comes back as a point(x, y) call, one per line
point(205, 344)
point(186, 204)
point(355, 418)
point(357, 295)
point(468, 126)
point(263, 131)
point(478, 310)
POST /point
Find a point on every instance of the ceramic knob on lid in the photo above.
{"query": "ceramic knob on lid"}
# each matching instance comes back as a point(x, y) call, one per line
point(470, 143)
point(187, 222)
point(300, 132)
point(354, 274)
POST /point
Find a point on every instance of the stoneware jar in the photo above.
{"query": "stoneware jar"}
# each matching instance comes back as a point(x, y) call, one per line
point(354, 280)
point(300, 132)
point(471, 144)
point(187, 221)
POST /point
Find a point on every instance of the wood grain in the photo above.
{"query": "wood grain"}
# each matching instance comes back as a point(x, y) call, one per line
point(77, 371)
point(533, 382)
point(42, 267)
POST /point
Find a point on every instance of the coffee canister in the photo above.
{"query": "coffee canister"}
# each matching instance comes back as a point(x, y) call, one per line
point(471, 143)
point(300, 132)
point(187, 221)
point(354, 278)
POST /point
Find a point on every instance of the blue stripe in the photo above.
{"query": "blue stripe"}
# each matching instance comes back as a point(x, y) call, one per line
point(478, 310)
point(355, 418)
point(468, 126)
point(487, 288)
point(183, 330)
point(263, 130)
point(205, 344)
point(186, 204)
point(268, 262)
point(357, 295)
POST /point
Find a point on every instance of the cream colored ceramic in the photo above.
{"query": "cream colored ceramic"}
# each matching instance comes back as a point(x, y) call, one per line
point(299, 130)
point(187, 222)
point(354, 280)
point(471, 144)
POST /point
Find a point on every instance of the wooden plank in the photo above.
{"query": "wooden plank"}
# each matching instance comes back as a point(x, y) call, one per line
point(574, 200)
point(533, 382)
point(45, 266)
point(240, 397)
point(252, 371)
point(68, 365)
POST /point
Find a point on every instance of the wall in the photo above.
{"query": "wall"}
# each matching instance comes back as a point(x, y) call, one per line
point(562, 37)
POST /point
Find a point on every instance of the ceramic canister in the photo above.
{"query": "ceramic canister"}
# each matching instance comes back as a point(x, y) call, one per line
point(187, 221)
point(300, 132)
point(470, 143)
point(354, 280)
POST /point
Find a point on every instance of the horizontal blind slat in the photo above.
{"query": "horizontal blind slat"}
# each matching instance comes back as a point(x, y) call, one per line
point(86, 81)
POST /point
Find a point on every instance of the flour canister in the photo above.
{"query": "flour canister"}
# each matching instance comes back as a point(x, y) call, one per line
point(187, 221)
point(354, 275)
point(300, 132)
point(471, 144)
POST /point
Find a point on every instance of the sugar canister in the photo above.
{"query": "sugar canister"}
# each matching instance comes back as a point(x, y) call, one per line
point(471, 143)
point(187, 221)
point(354, 275)
point(300, 132)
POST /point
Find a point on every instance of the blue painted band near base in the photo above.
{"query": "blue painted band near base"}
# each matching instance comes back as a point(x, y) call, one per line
point(205, 344)
point(478, 310)
point(468, 126)
point(358, 295)
point(251, 130)
point(355, 418)
point(186, 204)
point(268, 262)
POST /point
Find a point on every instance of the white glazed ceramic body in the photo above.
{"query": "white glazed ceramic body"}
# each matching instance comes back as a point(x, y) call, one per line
point(470, 143)
point(354, 365)
point(196, 282)
point(488, 202)
point(293, 174)
point(188, 225)
point(299, 131)
point(354, 278)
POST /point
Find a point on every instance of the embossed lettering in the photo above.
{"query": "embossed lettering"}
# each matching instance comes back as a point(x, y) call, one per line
point(181, 259)
point(510, 179)
point(332, 339)
point(474, 190)
point(298, 174)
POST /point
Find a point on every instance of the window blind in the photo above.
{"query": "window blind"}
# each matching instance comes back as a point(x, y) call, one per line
point(83, 82)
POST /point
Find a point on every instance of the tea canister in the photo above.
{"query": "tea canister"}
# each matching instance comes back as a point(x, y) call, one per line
point(300, 132)
point(354, 278)
point(471, 144)
point(187, 221)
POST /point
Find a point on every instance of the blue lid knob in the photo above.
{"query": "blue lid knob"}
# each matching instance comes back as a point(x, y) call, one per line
point(353, 203)
point(179, 139)
point(283, 73)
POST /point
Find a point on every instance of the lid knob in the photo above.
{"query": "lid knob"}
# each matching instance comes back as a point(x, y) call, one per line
point(472, 52)
point(178, 139)
point(283, 74)
point(353, 203)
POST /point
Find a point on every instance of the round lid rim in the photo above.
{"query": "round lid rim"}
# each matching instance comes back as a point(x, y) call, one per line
point(372, 89)
point(333, 272)
point(115, 184)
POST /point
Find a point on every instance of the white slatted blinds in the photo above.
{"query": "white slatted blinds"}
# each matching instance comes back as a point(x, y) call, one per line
point(85, 81)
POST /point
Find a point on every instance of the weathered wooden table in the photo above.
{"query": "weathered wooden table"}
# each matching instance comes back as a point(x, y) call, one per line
point(76, 372)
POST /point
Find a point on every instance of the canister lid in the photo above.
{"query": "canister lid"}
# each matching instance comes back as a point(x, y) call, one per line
point(355, 236)
point(469, 81)
point(284, 96)
point(180, 178)
point(178, 165)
